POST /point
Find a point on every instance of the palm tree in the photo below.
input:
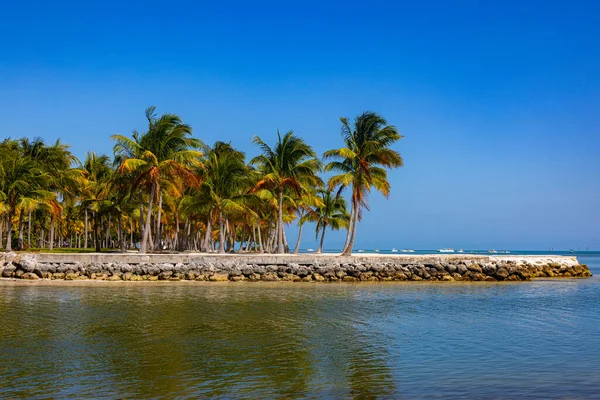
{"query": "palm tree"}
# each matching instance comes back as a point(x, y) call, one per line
point(165, 151)
point(56, 161)
point(225, 179)
point(302, 207)
point(362, 163)
point(96, 190)
point(22, 184)
point(331, 213)
point(290, 165)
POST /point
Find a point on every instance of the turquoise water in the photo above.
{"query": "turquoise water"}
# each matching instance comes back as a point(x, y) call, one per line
point(536, 339)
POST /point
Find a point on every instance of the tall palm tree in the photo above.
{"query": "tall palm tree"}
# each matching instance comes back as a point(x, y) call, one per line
point(290, 165)
point(225, 178)
point(332, 212)
point(362, 163)
point(165, 151)
point(96, 192)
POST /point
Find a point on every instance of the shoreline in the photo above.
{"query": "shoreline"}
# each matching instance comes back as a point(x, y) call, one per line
point(204, 267)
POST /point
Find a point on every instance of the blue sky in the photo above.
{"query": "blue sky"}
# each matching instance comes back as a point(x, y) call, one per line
point(498, 100)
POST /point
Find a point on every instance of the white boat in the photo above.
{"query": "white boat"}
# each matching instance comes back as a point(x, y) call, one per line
point(361, 251)
point(394, 250)
point(376, 250)
point(492, 251)
point(445, 250)
point(410, 251)
point(310, 249)
point(461, 251)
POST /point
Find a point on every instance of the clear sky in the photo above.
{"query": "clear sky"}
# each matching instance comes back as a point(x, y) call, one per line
point(499, 101)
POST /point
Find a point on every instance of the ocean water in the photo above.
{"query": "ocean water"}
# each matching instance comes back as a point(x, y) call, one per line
point(522, 340)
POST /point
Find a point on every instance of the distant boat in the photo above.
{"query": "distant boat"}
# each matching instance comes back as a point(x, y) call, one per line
point(461, 251)
point(310, 249)
point(394, 250)
point(407, 250)
point(492, 251)
point(445, 250)
point(361, 251)
point(376, 250)
point(571, 251)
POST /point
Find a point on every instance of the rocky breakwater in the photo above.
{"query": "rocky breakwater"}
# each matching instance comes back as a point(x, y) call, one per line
point(289, 268)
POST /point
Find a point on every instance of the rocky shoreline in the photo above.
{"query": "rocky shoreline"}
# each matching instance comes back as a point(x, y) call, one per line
point(288, 268)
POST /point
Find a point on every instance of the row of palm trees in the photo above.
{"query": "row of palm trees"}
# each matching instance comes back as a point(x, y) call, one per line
point(166, 190)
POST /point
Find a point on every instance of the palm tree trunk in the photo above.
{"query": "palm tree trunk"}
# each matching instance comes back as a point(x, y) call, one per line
point(286, 247)
point(232, 236)
point(320, 249)
point(141, 214)
point(261, 249)
point(51, 240)
point(146, 232)
point(297, 248)
point(9, 232)
point(85, 238)
point(97, 232)
point(28, 231)
point(350, 225)
point(280, 248)
point(158, 225)
point(207, 235)
point(176, 237)
point(107, 236)
point(348, 250)
point(221, 234)
point(121, 236)
point(20, 240)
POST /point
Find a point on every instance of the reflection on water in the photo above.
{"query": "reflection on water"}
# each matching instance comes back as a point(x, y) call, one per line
point(539, 339)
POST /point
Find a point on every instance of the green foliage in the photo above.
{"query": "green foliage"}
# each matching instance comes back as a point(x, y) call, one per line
point(165, 186)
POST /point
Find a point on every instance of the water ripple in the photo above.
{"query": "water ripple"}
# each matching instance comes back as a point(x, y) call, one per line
point(525, 340)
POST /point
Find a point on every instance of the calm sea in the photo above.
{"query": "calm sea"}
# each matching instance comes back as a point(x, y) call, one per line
point(536, 339)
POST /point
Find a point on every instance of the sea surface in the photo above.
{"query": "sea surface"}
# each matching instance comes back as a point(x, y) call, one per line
point(519, 340)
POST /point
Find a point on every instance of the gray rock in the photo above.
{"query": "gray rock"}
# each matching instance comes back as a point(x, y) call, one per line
point(126, 268)
point(27, 263)
point(474, 268)
point(9, 270)
point(489, 269)
point(501, 273)
point(451, 268)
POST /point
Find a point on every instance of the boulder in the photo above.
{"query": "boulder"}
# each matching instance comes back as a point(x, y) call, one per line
point(163, 276)
point(26, 262)
point(9, 270)
point(318, 277)
point(501, 273)
point(219, 277)
point(475, 268)
point(29, 275)
point(71, 275)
